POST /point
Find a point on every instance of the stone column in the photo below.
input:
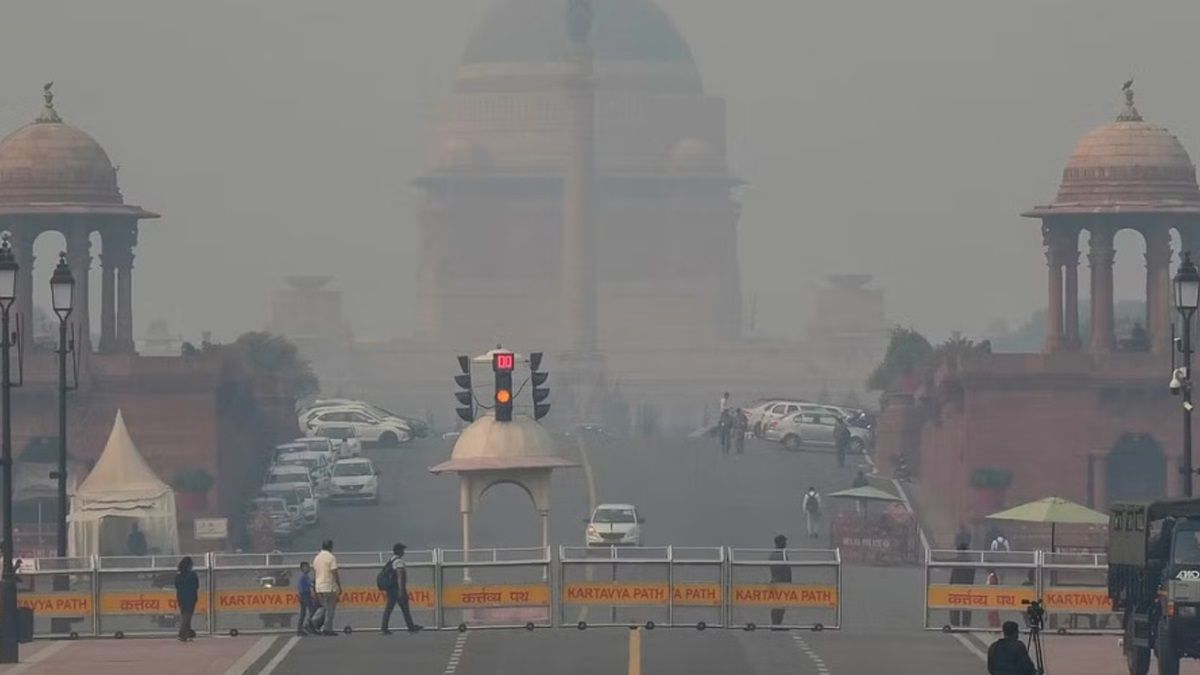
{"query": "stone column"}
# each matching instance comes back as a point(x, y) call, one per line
point(1100, 259)
point(1054, 305)
point(79, 257)
point(22, 247)
point(1158, 287)
point(578, 233)
point(1071, 311)
point(125, 343)
point(108, 300)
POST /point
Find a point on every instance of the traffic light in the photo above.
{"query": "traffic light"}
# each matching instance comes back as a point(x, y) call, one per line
point(466, 397)
point(537, 378)
point(502, 365)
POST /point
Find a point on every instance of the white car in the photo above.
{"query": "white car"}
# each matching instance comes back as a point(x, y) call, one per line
point(813, 429)
point(315, 444)
point(355, 479)
point(761, 416)
point(371, 429)
point(290, 473)
point(302, 493)
point(317, 463)
point(344, 438)
point(614, 525)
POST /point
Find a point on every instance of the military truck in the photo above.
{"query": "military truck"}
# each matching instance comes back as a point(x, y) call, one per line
point(1154, 581)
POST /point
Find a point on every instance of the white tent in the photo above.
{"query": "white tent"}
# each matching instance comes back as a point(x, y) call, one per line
point(120, 491)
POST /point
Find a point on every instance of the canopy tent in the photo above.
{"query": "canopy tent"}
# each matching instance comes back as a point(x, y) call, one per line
point(1055, 511)
point(867, 493)
point(120, 491)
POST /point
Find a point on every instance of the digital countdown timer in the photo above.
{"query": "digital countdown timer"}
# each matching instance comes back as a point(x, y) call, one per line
point(502, 362)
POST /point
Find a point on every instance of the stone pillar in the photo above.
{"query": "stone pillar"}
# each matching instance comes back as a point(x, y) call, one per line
point(1100, 259)
point(1054, 305)
point(108, 300)
point(1158, 287)
point(1071, 310)
point(578, 233)
point(79, 257)
point(22, 247)
point(125, 344)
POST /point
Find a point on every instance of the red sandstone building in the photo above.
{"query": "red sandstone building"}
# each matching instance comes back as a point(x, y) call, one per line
point(198, 412)
point(1084, 419)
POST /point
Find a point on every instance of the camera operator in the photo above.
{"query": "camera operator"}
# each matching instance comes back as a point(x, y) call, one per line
point(1008, 655)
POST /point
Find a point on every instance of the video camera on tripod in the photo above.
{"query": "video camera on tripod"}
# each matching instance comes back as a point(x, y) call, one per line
point(1035, 617)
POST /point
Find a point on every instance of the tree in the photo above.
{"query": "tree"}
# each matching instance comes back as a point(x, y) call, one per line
point(277, 356)
point(907, 353)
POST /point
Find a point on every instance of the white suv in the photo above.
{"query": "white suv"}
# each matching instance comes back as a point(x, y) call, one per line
point(367, 427)
point(614, 525)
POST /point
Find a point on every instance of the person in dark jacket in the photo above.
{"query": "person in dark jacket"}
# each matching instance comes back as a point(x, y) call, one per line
point(740, 424)
point(841, 439)
point(861, 481)
point(1008, 655)
point(780, 574)
point(966, 577)
point(136, 543)
point(187, 592)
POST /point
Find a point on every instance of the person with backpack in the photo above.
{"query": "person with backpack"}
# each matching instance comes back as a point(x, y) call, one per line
point(812, 512)
point(393, 580)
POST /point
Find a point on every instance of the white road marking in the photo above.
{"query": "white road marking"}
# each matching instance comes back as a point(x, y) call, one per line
point(243, 664)
point(41, 655)
point(970, 647)
point(818, 662)
point(279, 656)
point(456, 654)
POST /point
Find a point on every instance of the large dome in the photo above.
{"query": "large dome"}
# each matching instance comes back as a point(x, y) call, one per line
point(52, 162)
point(535, 31)
point(1128, 166)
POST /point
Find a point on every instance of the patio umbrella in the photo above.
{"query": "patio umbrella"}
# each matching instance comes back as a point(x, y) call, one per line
point(867, 493)
point(1055, 511)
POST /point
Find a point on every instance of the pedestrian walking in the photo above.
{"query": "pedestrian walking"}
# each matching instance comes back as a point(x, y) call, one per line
point(308, 603)
point(187, 592)
point(780, 574)
point(812, 512)
point(993, 579)
point(841, 440)
point(328, 583)
point(725, 430)
point(1000, 543)
point(740, 424)
point(725, 402)
point(860, 481)
point(962, 576)
point(393, 580)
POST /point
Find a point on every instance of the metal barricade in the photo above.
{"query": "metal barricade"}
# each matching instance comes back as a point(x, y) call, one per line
point(494, 588)
point(62, 594)
point(257, 592)
point(613, 585)
point(136, 595)
point(1074, 591)
point(801, 588)
point(697, 581)
point(978, 590)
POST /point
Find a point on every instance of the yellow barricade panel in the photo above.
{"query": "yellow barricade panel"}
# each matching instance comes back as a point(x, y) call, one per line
point(352, 597)
point(962, 596)
point(1083, 600)
point(697, 595)
point(614, 593)
point(506, 595)
point(56, 604)
point(785, 595)
point(153, 602)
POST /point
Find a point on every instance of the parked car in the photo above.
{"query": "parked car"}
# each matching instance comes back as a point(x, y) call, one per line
point(371, 429)
point(317, 463)
point(291, 499)
point(304, 495)
point(284, 524)
point(761, 417)
point(345, 439)
point(614, 525)
point(290, 473)
point(317, 444)
point(814, 429)
point(355, 479)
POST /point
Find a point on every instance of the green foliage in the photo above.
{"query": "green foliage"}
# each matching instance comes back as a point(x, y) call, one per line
point(277, 356)
point(192, 480)
point(907, 353)
point(991, 478)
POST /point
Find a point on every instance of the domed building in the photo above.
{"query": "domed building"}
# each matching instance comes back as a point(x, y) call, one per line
point(1128, 174)
point(55, 177)
point(492, 215)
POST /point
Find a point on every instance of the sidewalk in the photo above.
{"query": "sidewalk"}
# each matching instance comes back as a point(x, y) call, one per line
point(1083, 654)
point(203, 656)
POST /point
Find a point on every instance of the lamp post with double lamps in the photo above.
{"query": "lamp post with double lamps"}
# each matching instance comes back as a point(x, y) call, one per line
point(9, 649)
point(62, 297)
point(1187, 297)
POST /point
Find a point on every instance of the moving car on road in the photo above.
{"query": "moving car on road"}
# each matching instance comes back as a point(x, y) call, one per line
point(345, 440)
point(614, 525)
point(371, 429)
point(355, 479)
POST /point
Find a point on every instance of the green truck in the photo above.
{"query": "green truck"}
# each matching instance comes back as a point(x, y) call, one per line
point(1154, 581)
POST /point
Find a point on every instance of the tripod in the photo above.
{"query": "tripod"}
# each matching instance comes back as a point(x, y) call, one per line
point(1035, 646)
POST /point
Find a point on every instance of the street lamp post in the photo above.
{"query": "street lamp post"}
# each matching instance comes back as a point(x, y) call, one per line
point(62, 296)
point(1187, 297)
point(8, 582)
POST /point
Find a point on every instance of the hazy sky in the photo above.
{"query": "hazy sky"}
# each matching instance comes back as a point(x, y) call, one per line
point(279, 137)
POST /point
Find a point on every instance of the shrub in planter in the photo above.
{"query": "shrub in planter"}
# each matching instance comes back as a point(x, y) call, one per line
point(191, 487)
point(989, 478)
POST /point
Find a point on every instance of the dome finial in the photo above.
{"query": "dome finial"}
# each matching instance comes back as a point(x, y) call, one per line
point(1130, 113)
point(49, 114)
point(579, 20)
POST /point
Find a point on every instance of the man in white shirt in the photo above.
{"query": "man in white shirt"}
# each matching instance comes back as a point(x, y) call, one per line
point(327, 583)
point(812, 512)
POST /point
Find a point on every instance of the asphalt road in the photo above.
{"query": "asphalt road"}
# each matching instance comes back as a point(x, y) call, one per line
point(691, 495)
